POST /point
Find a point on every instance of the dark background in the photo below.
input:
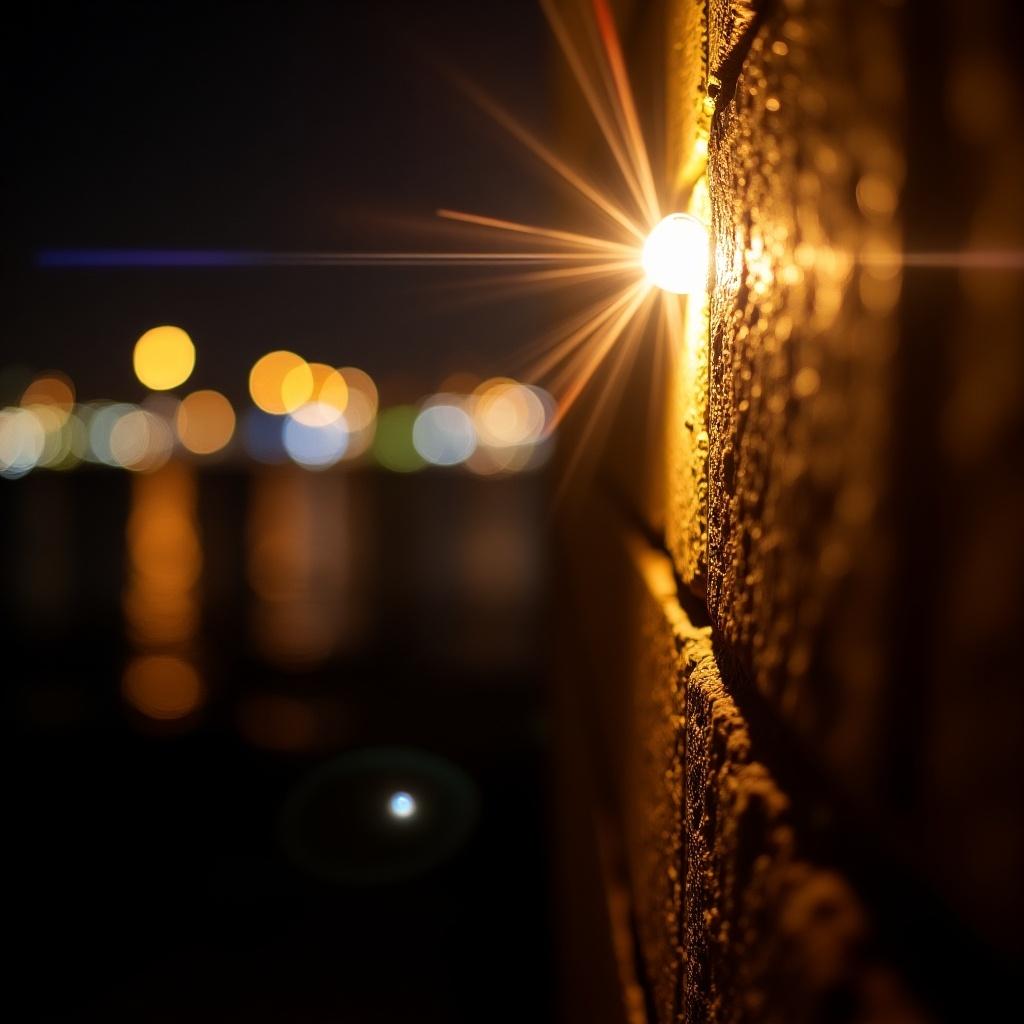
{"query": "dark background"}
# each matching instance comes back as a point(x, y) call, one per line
point(269, 127)
point(149, 880)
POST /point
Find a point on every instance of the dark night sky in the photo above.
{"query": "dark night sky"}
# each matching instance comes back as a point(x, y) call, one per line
point(271, 125)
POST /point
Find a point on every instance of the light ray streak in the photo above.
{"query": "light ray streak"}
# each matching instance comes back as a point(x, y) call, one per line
point(576, 377)
point(555, 234)
point(559, 166)
point(560, 347)
point(483, 290)
point(995, 259)
point(628, 337)
point(631, 122)
point(590, 93)
point(659, 373)
point(126, 259)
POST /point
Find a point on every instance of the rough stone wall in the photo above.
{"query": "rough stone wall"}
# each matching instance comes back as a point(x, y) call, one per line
point(804, 175)
point(815, 765)
point(862, 427)
point(736, 919)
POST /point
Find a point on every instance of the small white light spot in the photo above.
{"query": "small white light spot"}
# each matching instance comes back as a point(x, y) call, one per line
point(402, 805)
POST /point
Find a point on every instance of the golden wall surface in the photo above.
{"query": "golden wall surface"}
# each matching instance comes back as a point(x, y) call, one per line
point(808, 702)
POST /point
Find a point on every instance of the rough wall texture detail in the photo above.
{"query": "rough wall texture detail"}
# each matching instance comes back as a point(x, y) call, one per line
point(804, 179)
point(820, 794)
point(735, 922)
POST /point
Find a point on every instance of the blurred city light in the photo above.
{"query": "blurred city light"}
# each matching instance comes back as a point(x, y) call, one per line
point(316, 447)
point(162, 686)
point(22, 439)
point(102, 418)
point(53, 391)
point(360, 415)
point(141, 441)
point(280, 382)
point(443, 434)
point(164, 358)
point(205, 422)
point(262, 437)
point(328, 399)
point(309, 413)
point(507, 414)
point(393, 446)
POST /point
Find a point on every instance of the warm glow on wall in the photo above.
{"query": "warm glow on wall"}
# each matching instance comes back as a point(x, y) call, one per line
point(164, 358)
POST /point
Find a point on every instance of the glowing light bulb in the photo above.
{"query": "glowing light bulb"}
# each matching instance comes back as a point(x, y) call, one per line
point(401, 805)
point(675, 255)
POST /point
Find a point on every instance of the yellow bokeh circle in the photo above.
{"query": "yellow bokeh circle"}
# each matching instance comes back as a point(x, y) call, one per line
point(280, 382)
point(164, 358)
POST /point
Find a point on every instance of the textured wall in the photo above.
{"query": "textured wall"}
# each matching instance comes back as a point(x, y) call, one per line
point(820, 788)
point(737, 920)
point(863, 432)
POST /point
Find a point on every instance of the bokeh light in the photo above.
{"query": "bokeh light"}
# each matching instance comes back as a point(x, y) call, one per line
point(506, 414)
point(363, 399)
point(315, 447)
point(22, 440)
point(328, 399)
point(102, 418)
point(164, 358)
point(53, 391)
point(140, 441)
point(66, 439)
point(393, 444)
point(280, 382)
point(443, 434)
point(162, 686)
point(205, 422)
point(262, 437)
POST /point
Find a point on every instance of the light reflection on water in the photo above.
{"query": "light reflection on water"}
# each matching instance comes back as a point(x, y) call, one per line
point(272, 600)
point(302, 567)
point(161, 603)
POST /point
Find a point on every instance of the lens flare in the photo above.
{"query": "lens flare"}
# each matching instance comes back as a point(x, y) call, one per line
point(675, 255)
point(402, 805)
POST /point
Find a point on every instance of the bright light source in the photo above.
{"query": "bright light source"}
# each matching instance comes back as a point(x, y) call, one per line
point(401, 804)
point(675, 255)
